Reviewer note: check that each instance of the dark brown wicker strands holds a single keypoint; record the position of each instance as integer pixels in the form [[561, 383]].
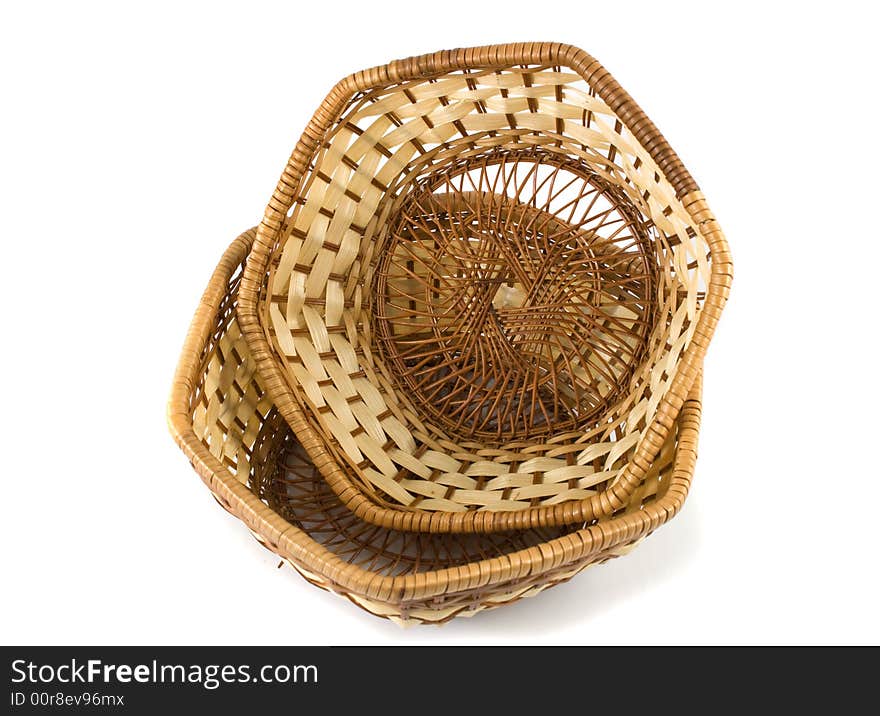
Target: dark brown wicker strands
[[489, 307]]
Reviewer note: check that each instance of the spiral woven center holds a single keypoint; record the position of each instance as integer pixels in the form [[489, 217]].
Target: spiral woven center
[[513, 297]]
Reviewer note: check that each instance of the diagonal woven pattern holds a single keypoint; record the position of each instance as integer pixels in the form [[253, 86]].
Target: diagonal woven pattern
[[483, 289], [223, 420]]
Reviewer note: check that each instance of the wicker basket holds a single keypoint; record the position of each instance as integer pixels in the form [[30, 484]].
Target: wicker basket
[[482, 290], [224, 420]]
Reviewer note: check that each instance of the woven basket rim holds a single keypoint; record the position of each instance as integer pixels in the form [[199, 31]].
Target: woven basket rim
[[295, 545], [399, 517]]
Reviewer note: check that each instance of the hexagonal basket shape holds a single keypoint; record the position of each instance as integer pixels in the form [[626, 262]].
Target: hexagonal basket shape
[[482, 290], [224, 420]]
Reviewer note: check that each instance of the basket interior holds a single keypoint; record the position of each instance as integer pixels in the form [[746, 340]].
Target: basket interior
[[483, 289]]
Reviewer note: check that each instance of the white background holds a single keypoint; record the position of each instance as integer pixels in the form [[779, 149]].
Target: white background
[[137, 143]]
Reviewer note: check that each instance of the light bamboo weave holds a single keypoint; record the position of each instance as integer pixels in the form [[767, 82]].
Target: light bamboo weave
[[222, 417], [482, 290]]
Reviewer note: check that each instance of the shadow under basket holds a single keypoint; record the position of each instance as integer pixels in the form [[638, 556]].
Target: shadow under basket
[[226, 423]]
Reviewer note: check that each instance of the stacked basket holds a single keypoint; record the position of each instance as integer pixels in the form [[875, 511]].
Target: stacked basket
[[459, 359]]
